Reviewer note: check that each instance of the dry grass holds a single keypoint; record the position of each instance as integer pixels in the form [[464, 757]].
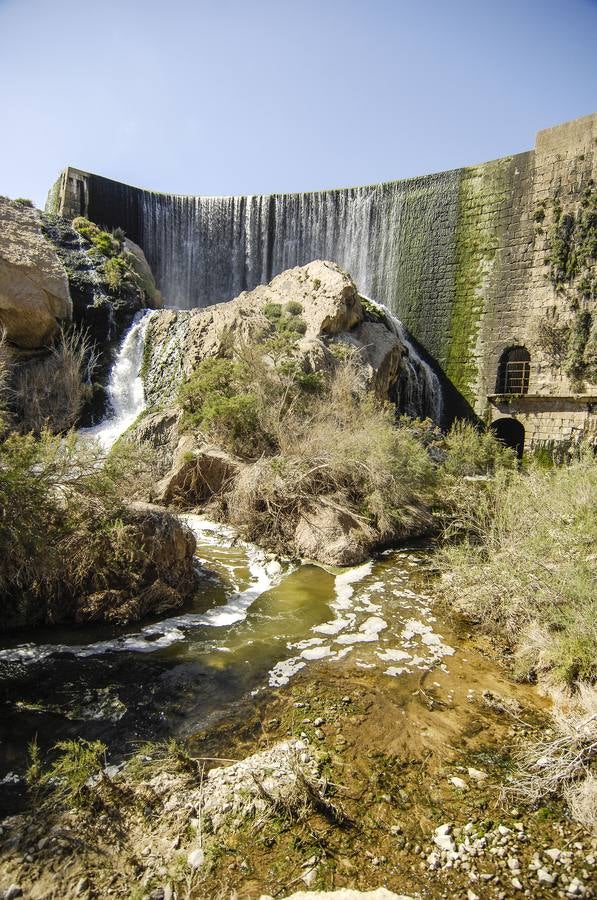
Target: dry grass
[[340, 447], [527, 567], [562, 761], [50, 391]]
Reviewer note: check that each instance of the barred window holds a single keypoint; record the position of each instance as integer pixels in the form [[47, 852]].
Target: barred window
[[514, 371]]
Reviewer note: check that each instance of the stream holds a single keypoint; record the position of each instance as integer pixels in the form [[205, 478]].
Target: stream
[[255, 623]]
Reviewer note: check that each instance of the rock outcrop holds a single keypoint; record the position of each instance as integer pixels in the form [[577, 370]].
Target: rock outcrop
[[316, 317], [160, 574], [331, 311], [165, 575], [34, 291]]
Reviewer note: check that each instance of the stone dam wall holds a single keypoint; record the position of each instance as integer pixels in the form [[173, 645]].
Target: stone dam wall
[[461, 257]]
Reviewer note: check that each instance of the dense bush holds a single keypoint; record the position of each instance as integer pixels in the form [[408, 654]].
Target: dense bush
[[65, 532], [317, 435], [470, 451], [103, 241], [527, 567]]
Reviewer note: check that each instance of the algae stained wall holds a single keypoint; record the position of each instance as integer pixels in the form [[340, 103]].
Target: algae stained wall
[[454, 255]]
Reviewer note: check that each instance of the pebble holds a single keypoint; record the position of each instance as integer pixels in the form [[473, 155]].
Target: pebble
[[516, 883], [471, 895], [82, 885], [318, 721], [477, 774], [459, 783], [545, 877], [576, 888], [346, 699], [196, 858], [513, 864], [12, 892], [554, 853]]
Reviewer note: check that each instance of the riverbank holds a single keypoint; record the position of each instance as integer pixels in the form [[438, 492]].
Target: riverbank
[[392, 755], [410, 773]]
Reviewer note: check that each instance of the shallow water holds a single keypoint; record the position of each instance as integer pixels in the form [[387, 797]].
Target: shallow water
[[254, 624]]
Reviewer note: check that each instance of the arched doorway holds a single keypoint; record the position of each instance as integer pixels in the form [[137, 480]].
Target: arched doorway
[[511, 433], [514, 370]]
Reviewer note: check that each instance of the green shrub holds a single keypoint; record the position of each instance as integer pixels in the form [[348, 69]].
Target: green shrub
[[272, 310], [105, 243], [69, 778], [116, 272], [24, 201], [470, 451], [527, 566], [294, 308], [216, 400]]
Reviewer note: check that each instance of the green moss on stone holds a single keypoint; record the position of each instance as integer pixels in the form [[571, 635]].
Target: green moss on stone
[[482, 192]]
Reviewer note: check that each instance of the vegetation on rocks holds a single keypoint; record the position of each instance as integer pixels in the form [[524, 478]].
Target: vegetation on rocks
[[572, 243], [71, 548]]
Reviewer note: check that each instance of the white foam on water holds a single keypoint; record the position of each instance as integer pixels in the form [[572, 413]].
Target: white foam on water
[[368, 631], [316, 652], [393, 655], [283, 671], [158, 635]]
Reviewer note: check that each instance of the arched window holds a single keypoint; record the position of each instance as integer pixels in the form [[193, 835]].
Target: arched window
[[513, 371]]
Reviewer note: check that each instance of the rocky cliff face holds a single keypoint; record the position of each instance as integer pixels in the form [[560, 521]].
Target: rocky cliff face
[[52, 277], [34, 291]]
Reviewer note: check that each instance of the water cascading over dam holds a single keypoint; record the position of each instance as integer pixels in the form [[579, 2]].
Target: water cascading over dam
[[458, 257], [204, 250]]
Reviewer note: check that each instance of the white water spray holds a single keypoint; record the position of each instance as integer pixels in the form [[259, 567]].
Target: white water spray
[[421, 387], [126, 395]]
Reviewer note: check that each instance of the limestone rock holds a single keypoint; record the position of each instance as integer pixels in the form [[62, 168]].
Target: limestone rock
[[139, 264], [34, 291], [164, 580], [330, 311], [332, 537], [381, 352], [196, 474]]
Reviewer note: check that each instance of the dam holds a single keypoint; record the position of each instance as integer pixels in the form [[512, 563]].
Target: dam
[[462, 258]]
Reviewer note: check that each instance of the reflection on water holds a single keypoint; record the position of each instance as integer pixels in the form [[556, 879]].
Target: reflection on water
[[255, 622]]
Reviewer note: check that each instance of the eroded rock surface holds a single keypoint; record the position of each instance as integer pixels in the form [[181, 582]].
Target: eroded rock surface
[[34, 291], [331, 310]]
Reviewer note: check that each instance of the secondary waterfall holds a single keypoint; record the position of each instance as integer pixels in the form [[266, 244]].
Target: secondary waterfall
[[419, 388], [125, 387]]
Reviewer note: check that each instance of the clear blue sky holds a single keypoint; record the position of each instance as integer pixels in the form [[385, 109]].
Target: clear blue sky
[[257, 96]]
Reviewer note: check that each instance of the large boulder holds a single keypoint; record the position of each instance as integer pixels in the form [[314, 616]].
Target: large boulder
[[332, 536], [197, 474], [167, 578], [138, 263], [34, 291], [327, 304]]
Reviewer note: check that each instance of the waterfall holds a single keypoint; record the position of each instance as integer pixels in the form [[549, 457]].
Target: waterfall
[[397, 240], [419, 387], [126, 396]]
